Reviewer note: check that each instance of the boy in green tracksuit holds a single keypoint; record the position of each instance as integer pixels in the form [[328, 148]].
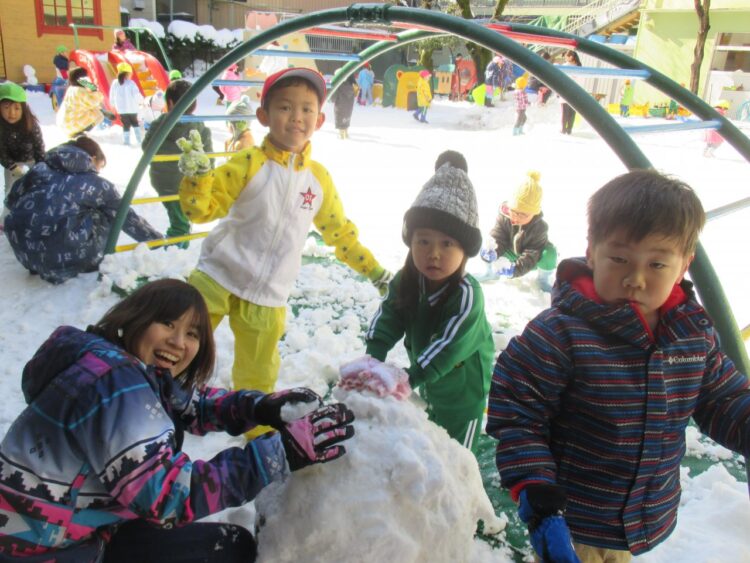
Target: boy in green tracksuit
[[438, 308]]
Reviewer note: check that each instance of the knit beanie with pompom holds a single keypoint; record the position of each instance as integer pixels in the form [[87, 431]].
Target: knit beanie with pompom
[[447, 203], [528, 196]]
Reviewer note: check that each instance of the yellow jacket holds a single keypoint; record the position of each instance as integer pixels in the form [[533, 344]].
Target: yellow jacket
[[79, 109], [424, 95], [267, 200]]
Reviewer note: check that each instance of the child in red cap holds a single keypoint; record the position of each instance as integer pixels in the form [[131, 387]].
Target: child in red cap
[[267, 197]]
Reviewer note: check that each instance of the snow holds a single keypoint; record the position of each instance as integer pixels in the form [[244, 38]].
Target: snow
[[155, 27], [404, 491], [189, 31]]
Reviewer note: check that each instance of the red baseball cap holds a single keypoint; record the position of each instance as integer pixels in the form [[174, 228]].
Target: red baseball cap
[[315, 79]]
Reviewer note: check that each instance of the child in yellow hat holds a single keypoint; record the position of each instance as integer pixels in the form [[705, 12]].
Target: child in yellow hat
[[520, 236], [125, 98]]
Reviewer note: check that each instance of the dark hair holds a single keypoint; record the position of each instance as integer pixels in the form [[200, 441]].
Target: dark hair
[[175, 90], [576, 58], [159, 301], [286, 82], [75, 76], [28, 121], [90, 146], [121, 77], [643, 203], [407, 299]]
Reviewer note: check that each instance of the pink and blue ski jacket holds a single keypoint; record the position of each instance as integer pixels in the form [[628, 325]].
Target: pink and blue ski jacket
[[588, 398], [100, 443]]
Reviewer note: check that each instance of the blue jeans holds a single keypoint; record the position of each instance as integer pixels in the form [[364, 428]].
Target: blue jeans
[[421, 113], [202, 542]]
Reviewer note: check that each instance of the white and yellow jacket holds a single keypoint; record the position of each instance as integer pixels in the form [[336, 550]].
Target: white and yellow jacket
[[268, 199]]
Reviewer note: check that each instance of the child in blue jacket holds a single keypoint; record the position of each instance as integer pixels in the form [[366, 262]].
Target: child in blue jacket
[[590, 403], [60, 213]]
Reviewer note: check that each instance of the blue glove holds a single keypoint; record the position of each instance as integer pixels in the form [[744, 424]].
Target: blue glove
[[542, 507], [504, 267], [488, 255]]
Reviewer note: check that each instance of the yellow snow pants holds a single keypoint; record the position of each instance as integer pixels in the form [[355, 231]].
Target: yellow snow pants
[[257, 331]]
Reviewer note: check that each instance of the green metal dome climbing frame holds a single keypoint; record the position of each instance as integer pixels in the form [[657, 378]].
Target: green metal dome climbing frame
[[505, 39]]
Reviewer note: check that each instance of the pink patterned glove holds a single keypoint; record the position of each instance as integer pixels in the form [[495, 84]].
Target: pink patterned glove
[[314, 438]]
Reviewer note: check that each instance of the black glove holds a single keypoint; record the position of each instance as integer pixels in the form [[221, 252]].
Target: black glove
[[541, 508], [313, 438], [268, 408]]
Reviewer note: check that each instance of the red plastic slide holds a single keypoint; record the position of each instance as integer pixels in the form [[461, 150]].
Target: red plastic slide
[[148, 74]]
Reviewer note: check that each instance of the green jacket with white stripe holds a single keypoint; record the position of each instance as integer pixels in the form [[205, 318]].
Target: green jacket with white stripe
[[449, 344]]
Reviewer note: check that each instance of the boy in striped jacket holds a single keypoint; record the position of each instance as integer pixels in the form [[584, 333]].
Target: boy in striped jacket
[[590, 403]]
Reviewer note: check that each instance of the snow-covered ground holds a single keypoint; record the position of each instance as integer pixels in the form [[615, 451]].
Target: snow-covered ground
[[378, 172]]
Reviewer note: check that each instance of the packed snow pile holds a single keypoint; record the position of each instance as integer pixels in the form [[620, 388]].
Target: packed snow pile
[[405, 491]]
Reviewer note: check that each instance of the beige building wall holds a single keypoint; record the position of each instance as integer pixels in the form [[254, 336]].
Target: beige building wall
[[22, 45]]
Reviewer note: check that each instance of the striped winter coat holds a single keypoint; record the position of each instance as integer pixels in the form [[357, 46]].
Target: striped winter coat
[[587, 398]]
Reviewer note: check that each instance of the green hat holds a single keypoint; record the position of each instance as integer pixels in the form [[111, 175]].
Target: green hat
[[13, 92], [61, 49], [175, 74]]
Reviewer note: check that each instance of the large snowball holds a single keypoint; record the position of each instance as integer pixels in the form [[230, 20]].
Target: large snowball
[[405, 491]]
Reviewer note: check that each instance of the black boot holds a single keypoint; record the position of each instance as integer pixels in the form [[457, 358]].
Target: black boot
[[488, 103]]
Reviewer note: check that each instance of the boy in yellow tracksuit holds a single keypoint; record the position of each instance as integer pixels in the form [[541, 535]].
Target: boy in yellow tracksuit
[[267, 197]]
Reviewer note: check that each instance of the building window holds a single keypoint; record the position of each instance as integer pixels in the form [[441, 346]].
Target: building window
[[55, 16], [732, 52]]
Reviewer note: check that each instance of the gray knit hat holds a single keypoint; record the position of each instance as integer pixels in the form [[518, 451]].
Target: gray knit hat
[[447, 203]]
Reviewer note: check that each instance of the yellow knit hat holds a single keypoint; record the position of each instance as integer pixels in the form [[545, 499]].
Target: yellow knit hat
[[528, 196]]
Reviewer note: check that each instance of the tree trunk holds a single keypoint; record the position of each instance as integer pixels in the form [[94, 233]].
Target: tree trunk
[[499, 9], [702, 10]]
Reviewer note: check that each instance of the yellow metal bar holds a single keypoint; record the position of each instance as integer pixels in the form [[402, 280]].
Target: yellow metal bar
[[173, 157], [161, 242], [746, 333], [142, 200]]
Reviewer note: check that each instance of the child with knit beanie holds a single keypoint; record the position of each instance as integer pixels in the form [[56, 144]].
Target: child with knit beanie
[[520, 236], [438, 308]]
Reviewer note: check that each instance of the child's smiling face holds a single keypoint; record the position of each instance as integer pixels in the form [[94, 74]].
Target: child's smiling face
[[293, 115], [642, 272]]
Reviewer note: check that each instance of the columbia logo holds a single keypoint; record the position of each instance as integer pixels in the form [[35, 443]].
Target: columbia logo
[[671, 360]]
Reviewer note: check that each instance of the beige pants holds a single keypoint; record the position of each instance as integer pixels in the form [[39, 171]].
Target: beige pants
[[591, 554]]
